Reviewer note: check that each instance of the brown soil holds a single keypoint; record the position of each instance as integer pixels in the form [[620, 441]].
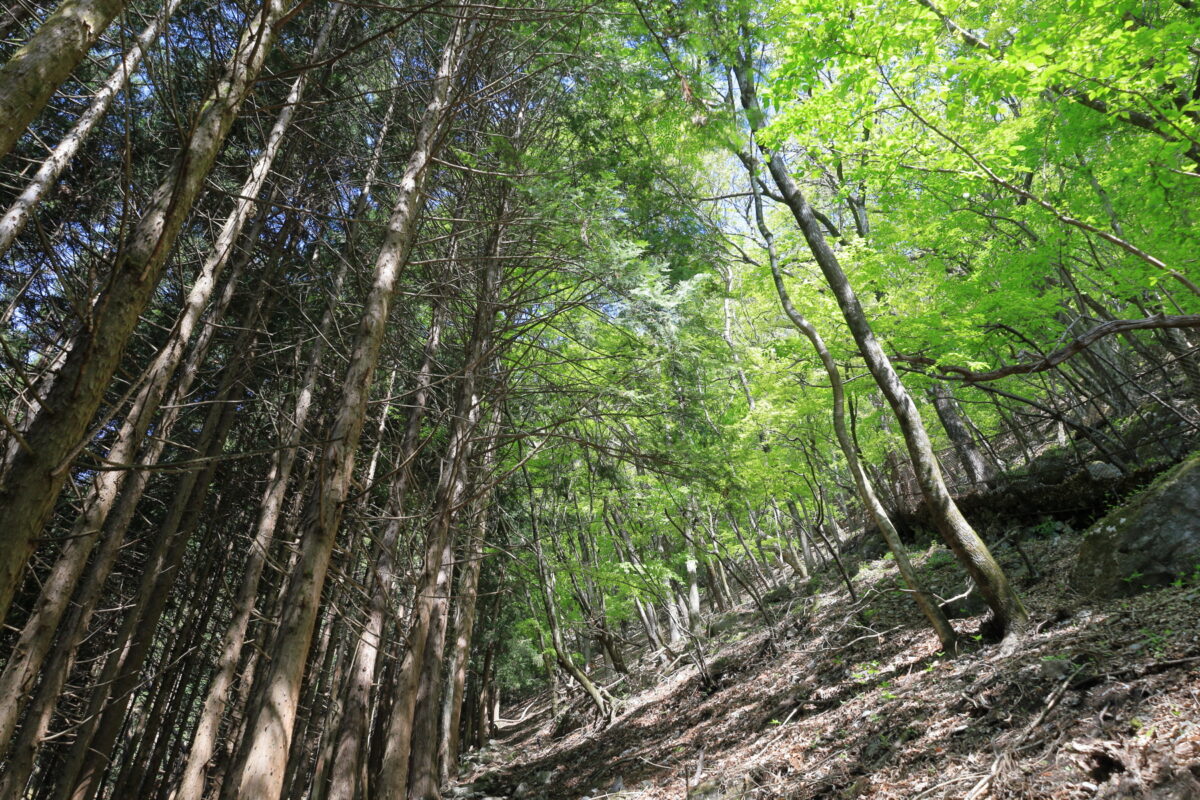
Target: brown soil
[[1100, 701]]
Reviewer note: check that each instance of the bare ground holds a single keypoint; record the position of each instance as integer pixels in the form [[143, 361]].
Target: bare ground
[[855, 701]]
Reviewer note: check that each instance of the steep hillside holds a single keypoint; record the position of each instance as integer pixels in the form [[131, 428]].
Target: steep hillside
[[838, 699]]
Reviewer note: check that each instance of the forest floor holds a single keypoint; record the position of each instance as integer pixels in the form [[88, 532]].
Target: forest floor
[[846, 700]]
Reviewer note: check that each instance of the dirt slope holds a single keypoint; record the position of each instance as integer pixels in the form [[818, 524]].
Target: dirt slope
[[1103, 701]]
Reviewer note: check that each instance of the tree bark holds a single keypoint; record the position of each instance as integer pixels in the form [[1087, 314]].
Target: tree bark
[[14, 219], [978, 470], [107, 484], [263, 774], [114, 691], [424, 770], [33, 73], [432, 593], [347, 765], [464, 615], [33, 479], [191, 784], [970, 550], [71, 627]]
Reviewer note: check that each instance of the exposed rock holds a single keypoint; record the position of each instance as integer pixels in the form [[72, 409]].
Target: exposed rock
[[1102, 471], [570, 719], [1149, 541]]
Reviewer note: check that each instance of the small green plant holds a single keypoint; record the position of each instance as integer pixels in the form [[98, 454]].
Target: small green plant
[[939, 558], [1157, 641], [865, 671], [1184, 581], [1043, 528]]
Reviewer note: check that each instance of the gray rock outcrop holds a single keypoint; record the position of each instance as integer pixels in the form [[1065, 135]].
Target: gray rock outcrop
[[1150, 541]]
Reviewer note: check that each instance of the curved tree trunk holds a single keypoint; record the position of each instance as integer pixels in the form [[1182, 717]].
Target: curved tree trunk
[[962, 539], [933, 613], [596, 694], [979, 471]]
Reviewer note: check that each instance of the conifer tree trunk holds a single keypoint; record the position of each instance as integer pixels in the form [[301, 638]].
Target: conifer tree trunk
[[424, 771], [204, 740], [21, 670], [427, 633], [347, 764], [144, 743], [14, 219], [484, 729], [31, 482], [962, 539], [464, 618], [48, 616], [33, 73], [318, 707], [271, 732], [107, 484], [428, 615], [114, 691]]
